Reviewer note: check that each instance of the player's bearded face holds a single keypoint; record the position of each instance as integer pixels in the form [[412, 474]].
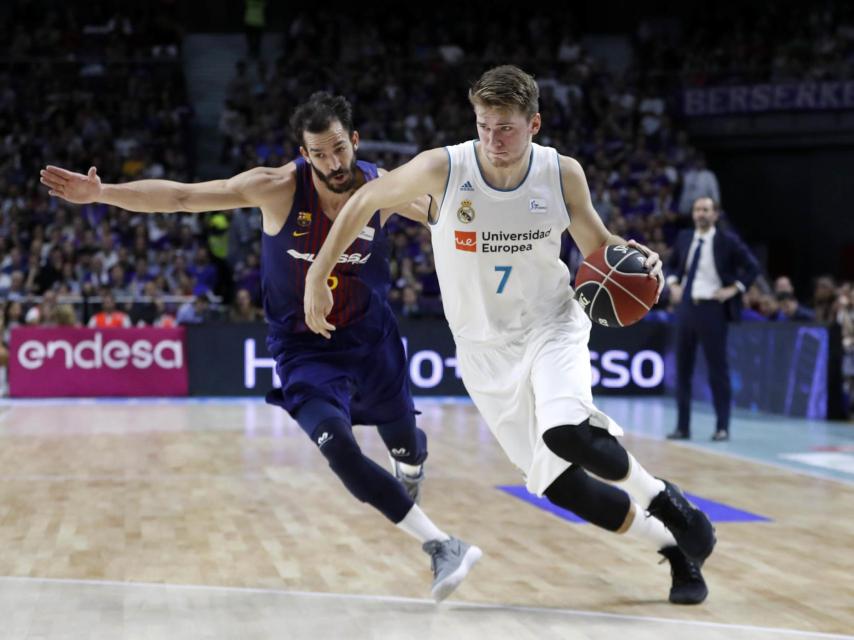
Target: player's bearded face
[[504, 134], [332, 156], [340, 180]]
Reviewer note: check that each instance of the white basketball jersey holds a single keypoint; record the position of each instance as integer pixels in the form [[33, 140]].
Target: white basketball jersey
[[497, 252]]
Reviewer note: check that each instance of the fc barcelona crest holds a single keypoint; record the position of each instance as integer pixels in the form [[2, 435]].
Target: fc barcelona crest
[[465, 213], [304, 218]]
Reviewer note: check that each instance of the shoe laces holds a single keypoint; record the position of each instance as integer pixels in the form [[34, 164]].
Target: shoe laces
[[681, 565], [674, 504], [436, 549]]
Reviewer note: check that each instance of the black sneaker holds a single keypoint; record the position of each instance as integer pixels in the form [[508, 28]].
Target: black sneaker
[[691, 528], [688, 586]]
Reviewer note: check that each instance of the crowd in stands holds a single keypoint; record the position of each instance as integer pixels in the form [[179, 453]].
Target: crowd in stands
[[775, 42], [105, 87]]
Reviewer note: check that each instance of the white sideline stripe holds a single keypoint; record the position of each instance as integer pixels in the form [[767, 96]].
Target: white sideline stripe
[[427, 603]]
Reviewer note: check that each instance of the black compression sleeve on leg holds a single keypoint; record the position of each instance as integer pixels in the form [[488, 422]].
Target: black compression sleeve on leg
[[363, 477], [597, 502]]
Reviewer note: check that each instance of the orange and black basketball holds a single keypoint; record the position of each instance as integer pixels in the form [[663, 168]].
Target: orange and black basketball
[[613, 286]]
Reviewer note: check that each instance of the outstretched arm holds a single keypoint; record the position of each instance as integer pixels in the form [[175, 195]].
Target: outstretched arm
[[253, 188], [418, 210], [426, 173]]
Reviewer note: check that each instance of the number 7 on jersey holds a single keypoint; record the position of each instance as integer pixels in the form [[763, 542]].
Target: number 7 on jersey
[[505, 275]]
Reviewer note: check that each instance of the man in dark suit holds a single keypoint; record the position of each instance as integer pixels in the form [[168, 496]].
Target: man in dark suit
[[708, 270]]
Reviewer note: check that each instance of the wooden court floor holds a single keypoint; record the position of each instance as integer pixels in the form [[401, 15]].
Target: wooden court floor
[[220, 519]]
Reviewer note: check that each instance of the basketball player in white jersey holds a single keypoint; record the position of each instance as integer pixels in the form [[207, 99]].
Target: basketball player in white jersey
[[499, 206]]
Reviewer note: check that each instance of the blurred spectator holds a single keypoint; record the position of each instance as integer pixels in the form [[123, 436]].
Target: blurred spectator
[[791, 309], [244, 310], [768, 306], [824, 299], [43, 313], [163, 317], [698, 182], [109, 317], [783, 284], [196, 312], [409, 306], [65, 316]]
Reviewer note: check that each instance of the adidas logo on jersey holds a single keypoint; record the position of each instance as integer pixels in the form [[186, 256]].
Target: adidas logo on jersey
[[324, 438], [467, 186]]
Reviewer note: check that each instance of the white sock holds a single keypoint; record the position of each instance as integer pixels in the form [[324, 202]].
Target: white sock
[[410, 469], [648, 528], [419, 526], [639, 484]]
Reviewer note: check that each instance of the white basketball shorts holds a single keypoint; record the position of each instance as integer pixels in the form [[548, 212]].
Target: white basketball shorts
[[525, 387]]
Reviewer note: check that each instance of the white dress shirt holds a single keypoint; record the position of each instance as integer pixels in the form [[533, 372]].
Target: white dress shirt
[[707, 280]]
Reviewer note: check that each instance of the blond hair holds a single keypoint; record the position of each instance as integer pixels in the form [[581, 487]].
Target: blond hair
[[506, 87]]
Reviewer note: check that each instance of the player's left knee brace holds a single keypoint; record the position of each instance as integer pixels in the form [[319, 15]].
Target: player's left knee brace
[[589, 447]]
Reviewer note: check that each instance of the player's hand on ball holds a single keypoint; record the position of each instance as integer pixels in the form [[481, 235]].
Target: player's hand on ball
[[653, 264]]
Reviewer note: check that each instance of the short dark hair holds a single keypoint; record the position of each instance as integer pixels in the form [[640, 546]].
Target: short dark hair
[[318, 113], [715, 206]]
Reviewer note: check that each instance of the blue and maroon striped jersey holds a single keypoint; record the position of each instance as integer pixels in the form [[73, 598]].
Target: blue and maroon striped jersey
[[361, 273]]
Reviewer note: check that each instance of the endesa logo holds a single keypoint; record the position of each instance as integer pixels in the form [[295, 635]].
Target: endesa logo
[[96, 354], [466, 240]]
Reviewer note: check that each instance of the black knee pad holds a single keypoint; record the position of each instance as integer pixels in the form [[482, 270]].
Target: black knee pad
[[364, 478], [597, 502], [589, 447]]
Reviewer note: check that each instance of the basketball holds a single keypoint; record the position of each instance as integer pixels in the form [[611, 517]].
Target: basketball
[[613, 286]]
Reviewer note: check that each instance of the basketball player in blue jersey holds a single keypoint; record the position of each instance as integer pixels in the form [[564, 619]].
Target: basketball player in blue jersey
[[359, 376], [502, 204]]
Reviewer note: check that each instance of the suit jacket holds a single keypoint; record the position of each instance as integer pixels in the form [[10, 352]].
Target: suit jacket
[[733, 260]]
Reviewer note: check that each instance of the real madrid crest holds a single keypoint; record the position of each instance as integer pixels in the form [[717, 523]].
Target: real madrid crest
[[304, 218], [465, 213]]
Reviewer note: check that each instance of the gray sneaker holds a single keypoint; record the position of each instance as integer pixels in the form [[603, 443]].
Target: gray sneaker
[[412, 483], [451, 560]]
